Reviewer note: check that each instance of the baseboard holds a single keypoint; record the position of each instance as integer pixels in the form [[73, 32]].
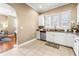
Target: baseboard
[[26, 42]]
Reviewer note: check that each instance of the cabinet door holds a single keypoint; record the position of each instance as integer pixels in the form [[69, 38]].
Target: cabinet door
[[50, 36], [69, 41], [76, 47], [38, 35], [59, 38], [64, 39], [41, 21]]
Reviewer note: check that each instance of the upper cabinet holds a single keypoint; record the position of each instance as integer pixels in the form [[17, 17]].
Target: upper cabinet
[[41, 21], [78, 14]]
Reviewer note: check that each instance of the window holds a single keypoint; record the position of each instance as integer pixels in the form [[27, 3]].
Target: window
[[59, 21], [47, 21]]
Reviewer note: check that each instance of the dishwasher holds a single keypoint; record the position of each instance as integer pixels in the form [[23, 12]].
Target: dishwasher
[[43, 35]]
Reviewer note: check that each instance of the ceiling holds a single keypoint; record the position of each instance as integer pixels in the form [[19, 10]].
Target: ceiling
[[43, 7]]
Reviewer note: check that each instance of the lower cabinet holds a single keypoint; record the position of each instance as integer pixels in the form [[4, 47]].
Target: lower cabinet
[[59, 38], [50, 36], [76, 46], [69, 39], [66, 39], [38, 34]]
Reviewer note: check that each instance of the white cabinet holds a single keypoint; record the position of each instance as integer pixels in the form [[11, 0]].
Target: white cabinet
[[69, 39], [60, 38], [41, 21], [50, 36], [38, 35], [76, 46]]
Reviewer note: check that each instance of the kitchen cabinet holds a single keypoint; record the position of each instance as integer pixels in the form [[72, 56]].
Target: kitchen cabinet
[[76, 46], [60, 38], [38, 35], [69, 39], [50, 36], [41, 21]]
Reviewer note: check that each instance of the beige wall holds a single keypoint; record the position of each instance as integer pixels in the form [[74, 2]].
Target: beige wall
[[27, 18], [71, 6]]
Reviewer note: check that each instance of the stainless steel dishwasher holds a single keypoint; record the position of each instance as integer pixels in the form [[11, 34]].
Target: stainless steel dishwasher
[[43, 35]]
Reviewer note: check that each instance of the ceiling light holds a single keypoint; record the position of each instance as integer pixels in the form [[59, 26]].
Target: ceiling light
[[40, 6]]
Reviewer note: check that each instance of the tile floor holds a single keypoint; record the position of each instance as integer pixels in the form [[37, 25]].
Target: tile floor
[[38, 48]]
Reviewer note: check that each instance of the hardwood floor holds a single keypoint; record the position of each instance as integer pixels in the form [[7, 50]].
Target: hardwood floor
[[39, 48], [7, 45]]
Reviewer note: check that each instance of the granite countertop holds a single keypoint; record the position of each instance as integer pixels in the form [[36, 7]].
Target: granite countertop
[[54, 30], [58, 30]]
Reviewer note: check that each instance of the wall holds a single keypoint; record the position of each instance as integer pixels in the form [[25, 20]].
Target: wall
[[71, 7], [27, 22]]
